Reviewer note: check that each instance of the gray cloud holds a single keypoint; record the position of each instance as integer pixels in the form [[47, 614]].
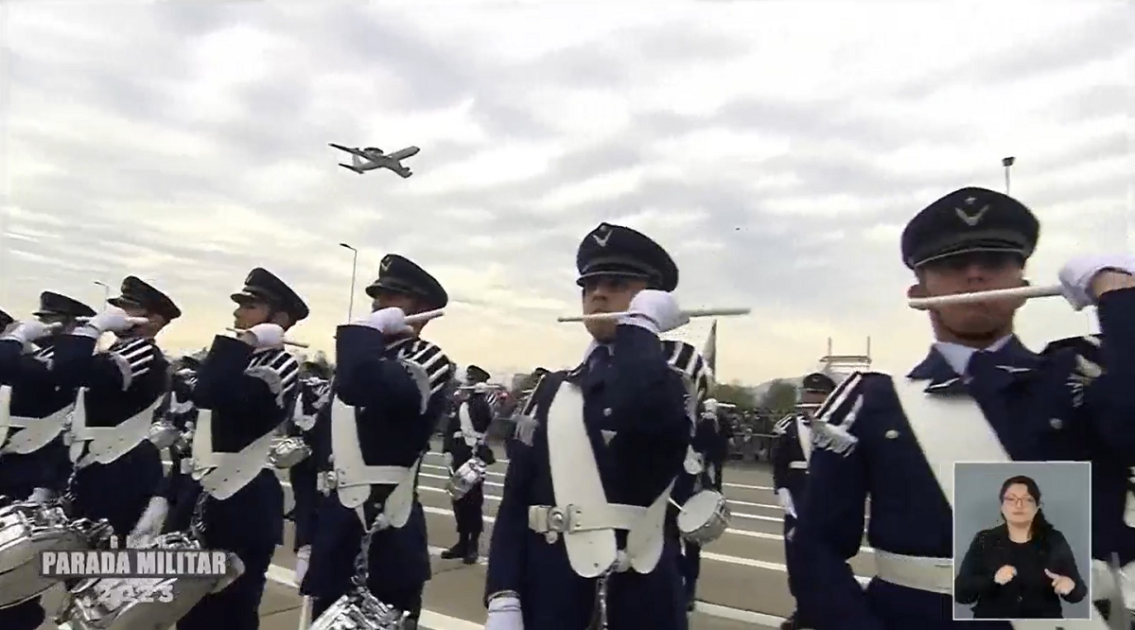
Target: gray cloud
[[102, 201]]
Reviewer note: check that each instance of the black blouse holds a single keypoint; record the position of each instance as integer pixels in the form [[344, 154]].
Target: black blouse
[[1029, 595]]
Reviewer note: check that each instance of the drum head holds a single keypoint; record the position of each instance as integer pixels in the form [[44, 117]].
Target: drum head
[[699, 510]]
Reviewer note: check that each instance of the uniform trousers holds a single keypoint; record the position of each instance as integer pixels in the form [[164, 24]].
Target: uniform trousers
[[468, 511], [250, 524]]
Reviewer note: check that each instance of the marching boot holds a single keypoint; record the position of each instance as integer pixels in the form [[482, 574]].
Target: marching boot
[[457, 550], [472, 550]]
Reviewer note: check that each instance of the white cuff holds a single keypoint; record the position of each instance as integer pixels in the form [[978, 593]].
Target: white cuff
[[504, 604], [87, 331], [642, 321]]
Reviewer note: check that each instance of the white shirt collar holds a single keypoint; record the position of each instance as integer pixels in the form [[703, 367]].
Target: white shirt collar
[[958, 356]]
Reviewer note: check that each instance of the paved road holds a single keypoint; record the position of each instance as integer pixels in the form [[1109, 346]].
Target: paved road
[[742, 582]]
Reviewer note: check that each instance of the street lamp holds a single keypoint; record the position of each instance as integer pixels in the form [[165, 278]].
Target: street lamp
[[105, 293], [1007, 162], [354, 269]]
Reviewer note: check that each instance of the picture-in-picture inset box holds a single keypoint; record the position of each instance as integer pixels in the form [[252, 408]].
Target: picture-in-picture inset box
[[1022, 540]]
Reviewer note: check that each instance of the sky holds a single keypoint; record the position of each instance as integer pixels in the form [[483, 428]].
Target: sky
[[776, 150]]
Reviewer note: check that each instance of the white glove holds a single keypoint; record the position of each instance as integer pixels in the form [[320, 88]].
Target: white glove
[[26, 332], [150, 525], [264, 336], [656, 310], [388, 321], [113, 319], [785, 499], [504, 614], [1077, 275], [40, 496], [303, 555]]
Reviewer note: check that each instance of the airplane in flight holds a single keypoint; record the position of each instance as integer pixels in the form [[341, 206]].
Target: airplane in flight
[[370, 158]]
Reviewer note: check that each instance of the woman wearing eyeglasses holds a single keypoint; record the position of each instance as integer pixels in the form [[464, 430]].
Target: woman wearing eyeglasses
[[1022, 568]]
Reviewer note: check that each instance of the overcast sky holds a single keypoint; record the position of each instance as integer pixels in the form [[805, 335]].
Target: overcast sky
[[776, 150]]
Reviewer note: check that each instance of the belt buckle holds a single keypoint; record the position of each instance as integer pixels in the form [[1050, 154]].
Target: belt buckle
[[560, 520]]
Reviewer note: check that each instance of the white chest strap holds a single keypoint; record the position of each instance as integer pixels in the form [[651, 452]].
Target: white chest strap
[[804, 436], [952, 428], [948, 429], [107, 444], [353, 478], [223, 474], [35, 433], [468, 433], [589, 537], [5, 412]]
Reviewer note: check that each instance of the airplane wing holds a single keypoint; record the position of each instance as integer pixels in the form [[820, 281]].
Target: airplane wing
[[404, 172], [349, 150], [404, 153]]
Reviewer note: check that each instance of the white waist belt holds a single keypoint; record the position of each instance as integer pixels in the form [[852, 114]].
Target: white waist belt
[[373, 476], [543, 519], [934, 575], [798, 465]]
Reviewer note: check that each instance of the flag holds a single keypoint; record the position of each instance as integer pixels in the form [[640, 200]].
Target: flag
[[709, 354]]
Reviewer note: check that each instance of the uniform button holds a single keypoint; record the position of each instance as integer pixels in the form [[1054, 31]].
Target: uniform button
[[607, 412]]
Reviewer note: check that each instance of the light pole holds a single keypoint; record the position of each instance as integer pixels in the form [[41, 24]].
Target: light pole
[[1007, 162], [105, 293], [354, 269]]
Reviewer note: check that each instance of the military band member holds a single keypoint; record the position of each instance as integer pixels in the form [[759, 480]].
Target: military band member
[[310, 422], [182, 413], [464, 440], [390, 391], [790, 451], [33, 459], [611, 435], [719, 438], [1113, 496], [118, 471], [699, 474], [980, 395], [246, 389]]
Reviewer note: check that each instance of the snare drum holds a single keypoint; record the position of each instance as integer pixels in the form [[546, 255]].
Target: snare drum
[[704, 518], [288, 452], [361, 610], [26, 529], [110, 604], [465, 478]]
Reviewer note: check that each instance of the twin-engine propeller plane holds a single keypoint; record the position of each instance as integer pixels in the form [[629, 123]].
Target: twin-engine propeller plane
[[370, 158]]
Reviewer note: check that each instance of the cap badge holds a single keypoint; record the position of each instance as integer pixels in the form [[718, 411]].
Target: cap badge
[[385, 264], [971, 219], [248, 280], [602, 235]]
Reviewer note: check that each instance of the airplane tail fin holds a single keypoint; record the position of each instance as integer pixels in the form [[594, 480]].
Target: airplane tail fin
[[352, 168]]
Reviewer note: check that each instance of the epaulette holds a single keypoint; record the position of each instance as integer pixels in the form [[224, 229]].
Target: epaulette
[[781, 426], [688, 361], [831, 426], [430, 360], [278, 369]]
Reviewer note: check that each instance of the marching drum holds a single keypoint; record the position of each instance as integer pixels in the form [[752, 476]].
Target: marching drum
[[704, 518], [110, 603], [163, 434], [287, 452], [465, 478], [26, 529], [361, 610]]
